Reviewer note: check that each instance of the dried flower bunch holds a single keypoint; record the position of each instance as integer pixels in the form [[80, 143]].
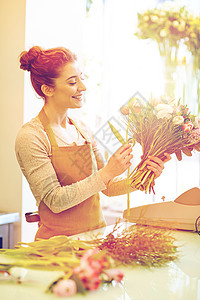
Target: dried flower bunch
[[159, 126], [140, 245]]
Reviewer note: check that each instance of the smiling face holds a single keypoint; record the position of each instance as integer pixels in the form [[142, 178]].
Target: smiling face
[[69, 87]]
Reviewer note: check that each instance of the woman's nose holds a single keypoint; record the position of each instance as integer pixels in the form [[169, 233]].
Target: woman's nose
[[81, 86]]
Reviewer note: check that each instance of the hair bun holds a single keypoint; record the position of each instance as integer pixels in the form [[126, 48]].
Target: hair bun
[[27, 57]]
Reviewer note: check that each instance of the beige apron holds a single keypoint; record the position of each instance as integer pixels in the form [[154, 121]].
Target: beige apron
[[71, 164]]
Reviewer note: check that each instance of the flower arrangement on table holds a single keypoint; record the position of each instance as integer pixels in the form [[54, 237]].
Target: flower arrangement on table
[[86, 264], [160, 126]]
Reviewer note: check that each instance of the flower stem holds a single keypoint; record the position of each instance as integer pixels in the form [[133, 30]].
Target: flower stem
[[128, 174]]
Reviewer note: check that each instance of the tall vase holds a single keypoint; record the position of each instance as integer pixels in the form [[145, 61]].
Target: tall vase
[[196, 79], [169, 57], [169, 77]]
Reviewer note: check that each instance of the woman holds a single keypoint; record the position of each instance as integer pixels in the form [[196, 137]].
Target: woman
[[59, 156]]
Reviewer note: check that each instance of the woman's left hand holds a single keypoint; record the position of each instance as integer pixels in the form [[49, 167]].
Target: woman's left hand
[[156, 165]]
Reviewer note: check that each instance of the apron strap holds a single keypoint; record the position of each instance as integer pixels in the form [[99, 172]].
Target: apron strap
[[45, 122], [81, 131]]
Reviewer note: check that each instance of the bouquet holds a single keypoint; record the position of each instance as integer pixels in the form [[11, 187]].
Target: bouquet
[[159, 126]]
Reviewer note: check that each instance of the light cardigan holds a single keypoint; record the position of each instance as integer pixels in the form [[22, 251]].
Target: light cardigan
[[33, 148]]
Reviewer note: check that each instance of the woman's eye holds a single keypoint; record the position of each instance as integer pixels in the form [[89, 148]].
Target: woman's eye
[[84, 77], [72, 83]]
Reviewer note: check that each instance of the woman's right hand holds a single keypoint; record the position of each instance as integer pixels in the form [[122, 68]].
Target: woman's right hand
[[118, 163]]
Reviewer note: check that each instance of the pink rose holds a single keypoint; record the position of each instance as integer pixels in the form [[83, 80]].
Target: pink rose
[[114, 274], [88, 276], [91, 283], [84, 270], [65, 288], [91, 266], [96, 265], [187, 126], [92, 262]]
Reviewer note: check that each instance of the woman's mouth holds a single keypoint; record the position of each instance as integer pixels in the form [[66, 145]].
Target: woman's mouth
[[78, 97]]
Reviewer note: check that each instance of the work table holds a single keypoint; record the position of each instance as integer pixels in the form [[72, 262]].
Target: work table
[[178, 280]]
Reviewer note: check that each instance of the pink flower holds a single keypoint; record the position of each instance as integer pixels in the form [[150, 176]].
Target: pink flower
[[65, 288], [195, 136], [84, 270], [135, 106], [91, 283], [124, 110], [93, 262], [88, 276], [90, 252], [96, 265], [187, 126], [114, 274], [91, 266]]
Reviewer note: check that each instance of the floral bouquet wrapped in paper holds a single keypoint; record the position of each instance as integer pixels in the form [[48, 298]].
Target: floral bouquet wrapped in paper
[[159, 126]]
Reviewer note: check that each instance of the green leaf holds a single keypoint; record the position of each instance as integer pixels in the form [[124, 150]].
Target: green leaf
[[80, 287], [116, 133]]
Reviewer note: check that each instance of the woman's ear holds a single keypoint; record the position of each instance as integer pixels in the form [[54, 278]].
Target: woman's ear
[[47, 90]]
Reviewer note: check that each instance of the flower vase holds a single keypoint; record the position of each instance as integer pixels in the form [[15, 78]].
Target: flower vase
[[169, 67], [196, 80]]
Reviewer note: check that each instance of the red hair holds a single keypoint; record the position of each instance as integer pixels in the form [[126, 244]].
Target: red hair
[[45, 65]]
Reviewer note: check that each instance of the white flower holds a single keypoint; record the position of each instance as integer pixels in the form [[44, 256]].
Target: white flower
[[146, 18], [114, 274], [18, 273], [162, 13], [182, 26], [197, 122], [154, 18], [162, 100], [178, 120], [175, 23], [163, 111], [163, 33]]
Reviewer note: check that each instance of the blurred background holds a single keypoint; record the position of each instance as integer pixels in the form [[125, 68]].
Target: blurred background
[[143, 48]]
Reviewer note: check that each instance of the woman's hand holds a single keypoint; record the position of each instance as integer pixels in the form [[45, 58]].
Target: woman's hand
[[156, 165], [118, 163]]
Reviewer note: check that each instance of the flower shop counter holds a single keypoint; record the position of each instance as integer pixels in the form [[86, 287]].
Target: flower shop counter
[[179, 279]]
